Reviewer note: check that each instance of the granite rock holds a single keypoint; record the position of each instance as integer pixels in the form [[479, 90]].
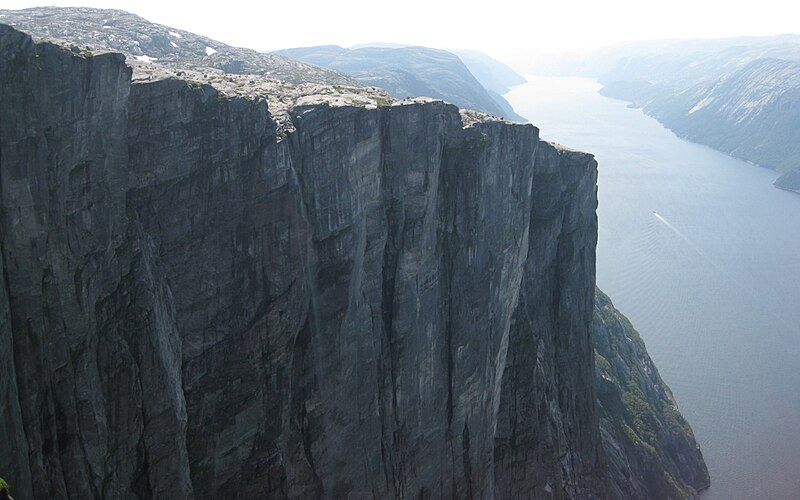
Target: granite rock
[[364, 298], [144, 43]]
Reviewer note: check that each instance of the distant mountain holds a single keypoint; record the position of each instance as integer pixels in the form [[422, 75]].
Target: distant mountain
[[409, 71], [673, 60], [143, 41], [493, 74], [385, 45], [740, 95]]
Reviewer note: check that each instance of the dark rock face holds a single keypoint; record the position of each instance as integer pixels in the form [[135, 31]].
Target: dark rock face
[[546, 442], [650, 448], [190, 300], [378, 301], [89, 330]]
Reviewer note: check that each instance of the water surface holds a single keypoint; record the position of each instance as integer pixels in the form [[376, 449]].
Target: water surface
[[703, 255]]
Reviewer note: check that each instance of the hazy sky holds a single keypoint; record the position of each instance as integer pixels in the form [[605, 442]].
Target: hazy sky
[[500, 27]]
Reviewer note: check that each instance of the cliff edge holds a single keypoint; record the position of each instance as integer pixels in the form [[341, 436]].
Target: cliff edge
[[212, 288]]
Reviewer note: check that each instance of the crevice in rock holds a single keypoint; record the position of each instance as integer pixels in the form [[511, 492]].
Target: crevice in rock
[[467, 462], [300, 392], [394, 216]]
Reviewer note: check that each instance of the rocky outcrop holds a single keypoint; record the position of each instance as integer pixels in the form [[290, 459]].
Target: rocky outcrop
[[401, 71], [363, 298], [143, 42], [409, 71], [650, 448]]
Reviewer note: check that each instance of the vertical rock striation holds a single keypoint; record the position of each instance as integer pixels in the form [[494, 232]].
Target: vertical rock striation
[[547, 438], [95, 353], [387, 301]]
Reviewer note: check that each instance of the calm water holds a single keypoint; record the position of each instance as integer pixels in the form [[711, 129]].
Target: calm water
[[703, 255]]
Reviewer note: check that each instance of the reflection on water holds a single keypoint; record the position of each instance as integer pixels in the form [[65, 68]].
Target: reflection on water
[[703, 255]]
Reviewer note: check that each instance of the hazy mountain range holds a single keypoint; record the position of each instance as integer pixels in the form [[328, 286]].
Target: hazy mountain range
[[738, 95], [421, 71]]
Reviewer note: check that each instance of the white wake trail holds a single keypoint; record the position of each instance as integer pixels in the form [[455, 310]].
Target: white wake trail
[[722, 272], [746, 288], [686, 240]]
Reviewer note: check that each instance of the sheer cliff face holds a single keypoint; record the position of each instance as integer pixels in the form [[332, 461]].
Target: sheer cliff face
[[375, 302]]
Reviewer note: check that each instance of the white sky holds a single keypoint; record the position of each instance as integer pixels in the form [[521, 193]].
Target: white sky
[[503, 28]]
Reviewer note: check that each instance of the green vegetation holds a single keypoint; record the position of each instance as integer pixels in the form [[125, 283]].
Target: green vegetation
[[478, 142], [4, 485], [605, 366], [639, 410], [640, 414]]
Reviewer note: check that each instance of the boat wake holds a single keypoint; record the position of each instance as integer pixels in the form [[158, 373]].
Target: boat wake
[[685, 239]]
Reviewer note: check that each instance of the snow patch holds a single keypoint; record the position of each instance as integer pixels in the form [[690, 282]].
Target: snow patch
[[145, 59], [210, 51], [176, 35], [173, 44], [756, 103], [702, 104]]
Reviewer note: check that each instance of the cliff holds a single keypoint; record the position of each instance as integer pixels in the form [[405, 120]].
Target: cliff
[[191, 298], [225, 285]]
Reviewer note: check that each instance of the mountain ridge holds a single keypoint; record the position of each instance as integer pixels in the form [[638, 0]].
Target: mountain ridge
[[409, 71], [141, 40]]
